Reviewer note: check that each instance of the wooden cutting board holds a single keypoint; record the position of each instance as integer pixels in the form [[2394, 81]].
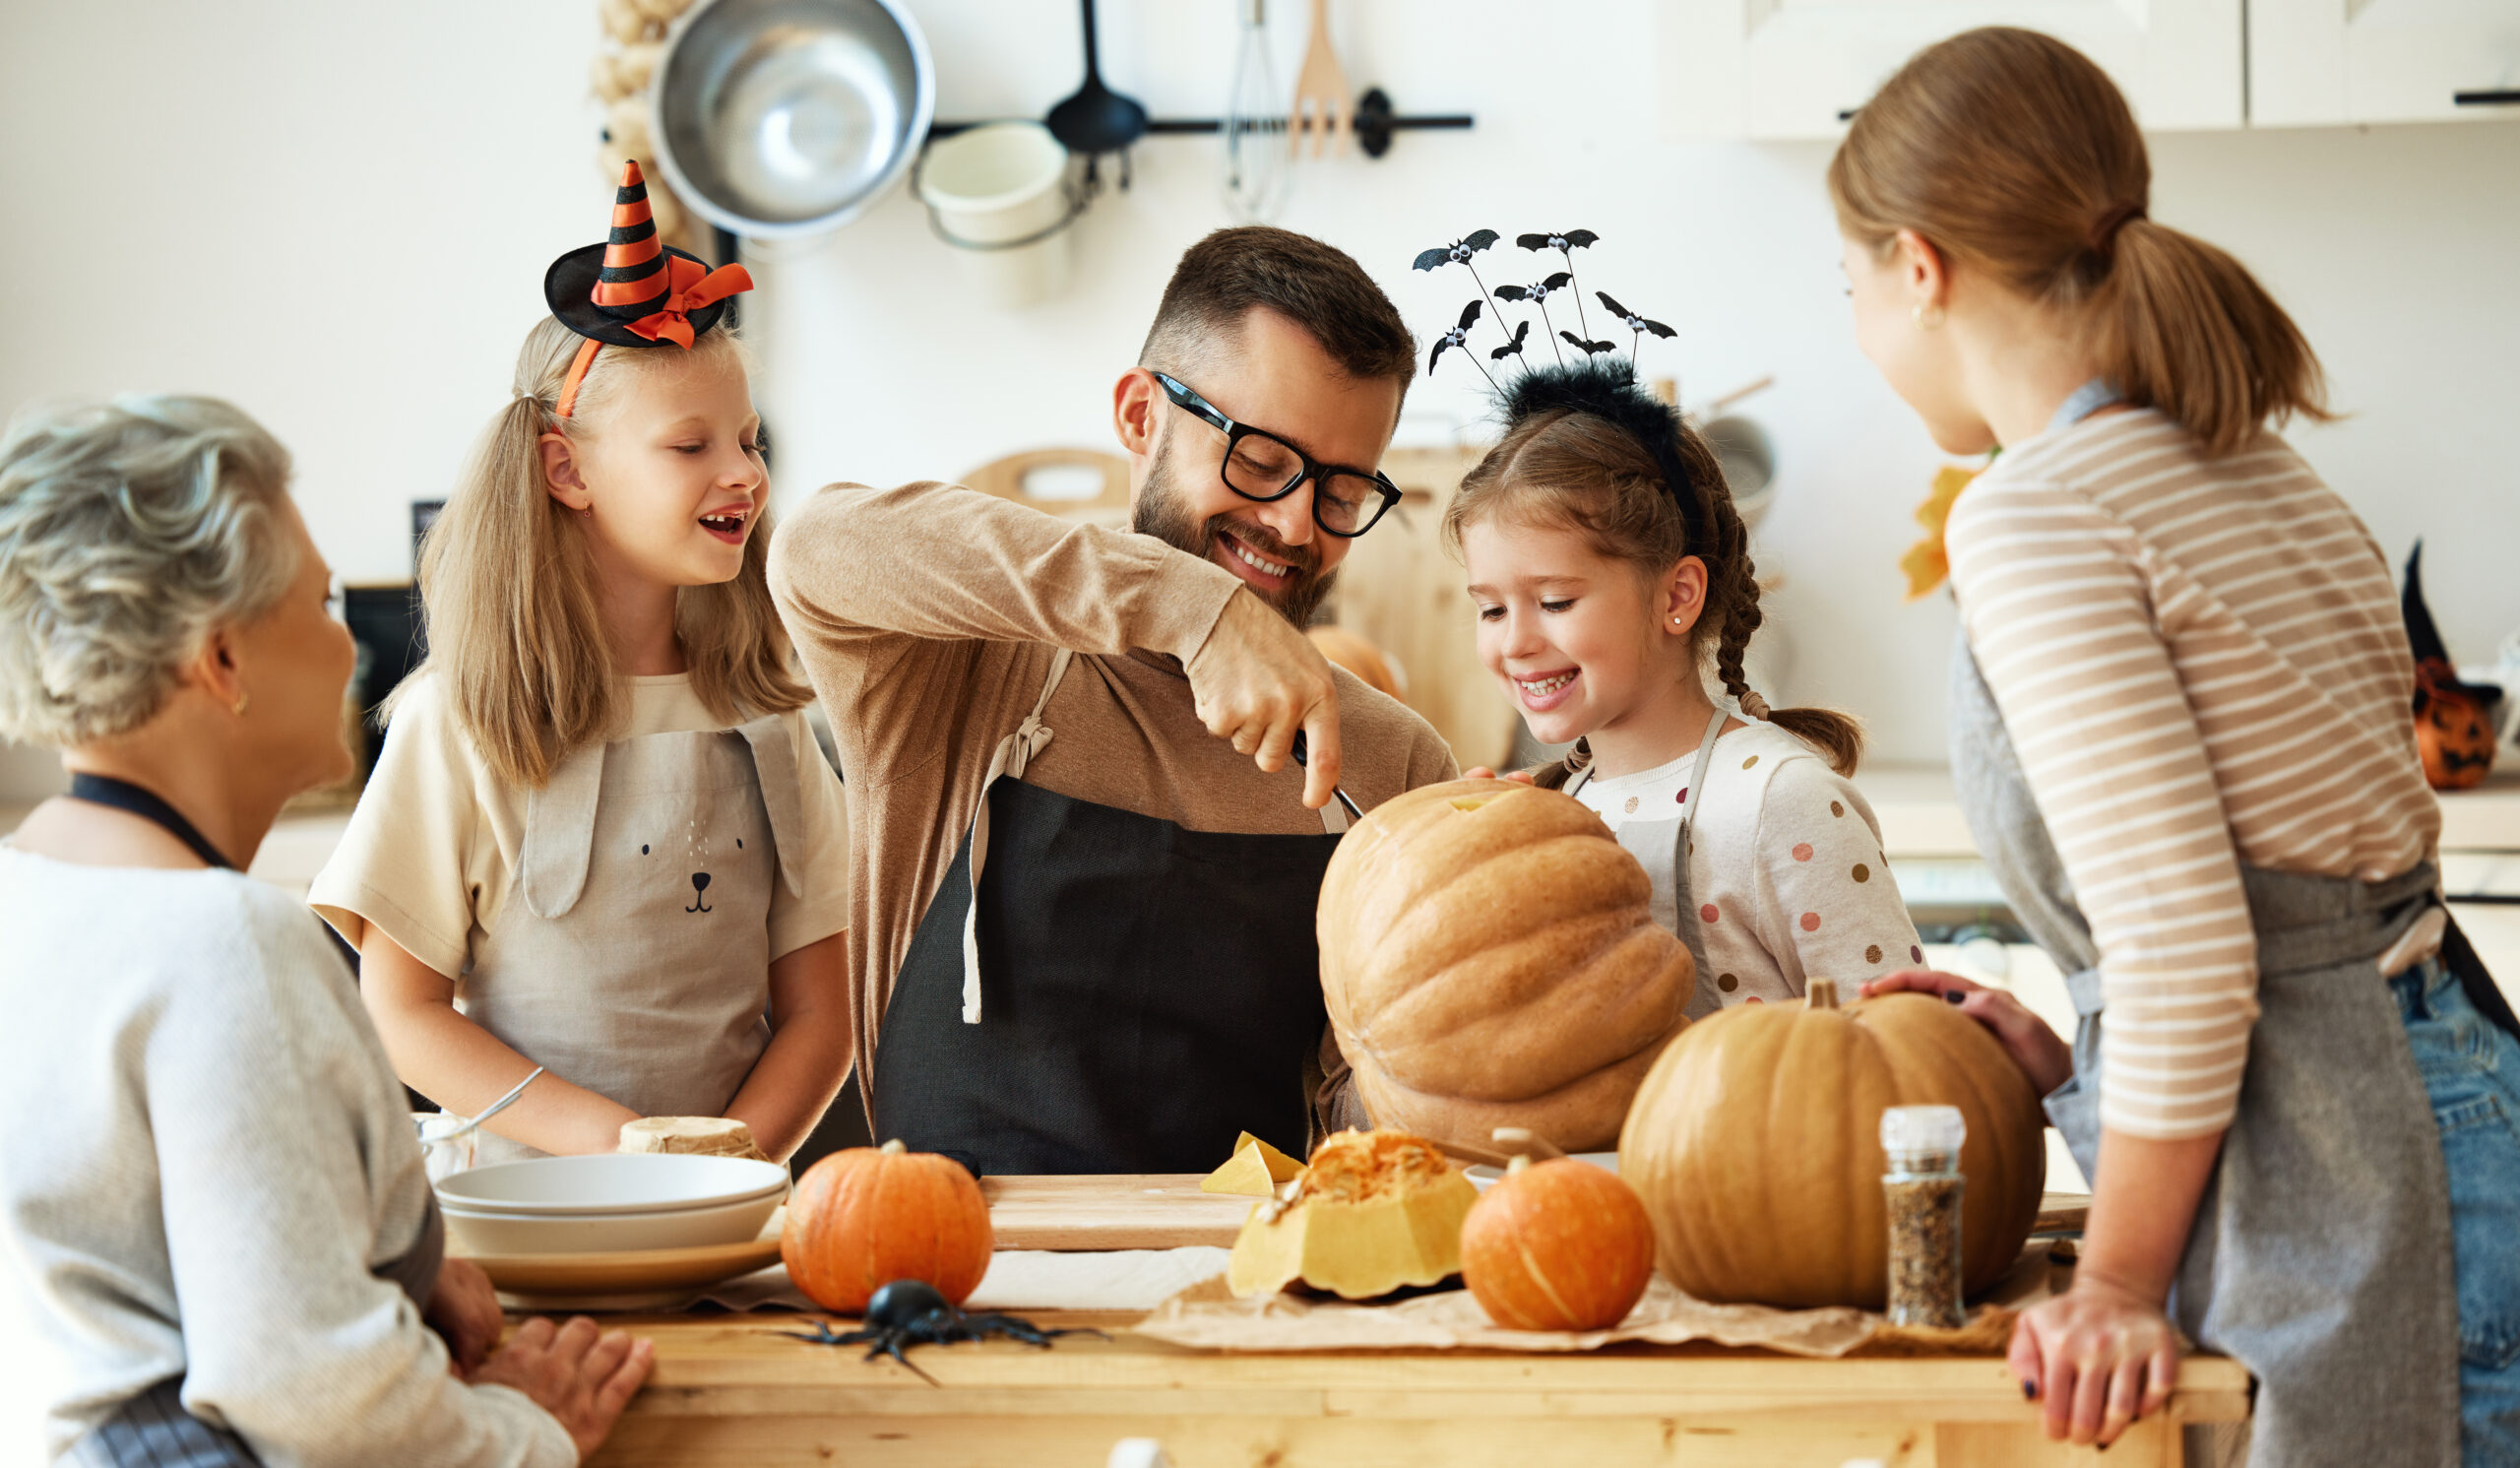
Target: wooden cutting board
[[1121, 1210]]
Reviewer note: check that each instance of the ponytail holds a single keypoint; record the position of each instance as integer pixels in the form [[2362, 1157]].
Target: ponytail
[[2014, 154], [2184, 328]]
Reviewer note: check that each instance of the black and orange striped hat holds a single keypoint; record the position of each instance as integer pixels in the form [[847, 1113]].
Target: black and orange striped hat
[[633, 289]]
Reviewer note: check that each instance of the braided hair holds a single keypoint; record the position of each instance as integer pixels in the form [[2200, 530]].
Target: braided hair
[[1589, 448]]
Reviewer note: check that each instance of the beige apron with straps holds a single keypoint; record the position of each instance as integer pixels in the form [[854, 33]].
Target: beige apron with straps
[[633, 955]]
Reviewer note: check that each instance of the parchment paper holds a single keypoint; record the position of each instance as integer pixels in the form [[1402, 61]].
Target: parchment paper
[[1207, 1316]]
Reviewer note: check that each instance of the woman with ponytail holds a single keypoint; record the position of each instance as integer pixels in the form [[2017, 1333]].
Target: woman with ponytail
[[1610, 569], [2182, 726]]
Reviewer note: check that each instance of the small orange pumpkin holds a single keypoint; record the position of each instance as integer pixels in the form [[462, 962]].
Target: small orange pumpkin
[[1558, 1245], [866, 1216]]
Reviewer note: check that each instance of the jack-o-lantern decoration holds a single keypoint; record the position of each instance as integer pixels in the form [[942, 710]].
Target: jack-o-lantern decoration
[[2451, 732], [1489, 959], [2450, 728]]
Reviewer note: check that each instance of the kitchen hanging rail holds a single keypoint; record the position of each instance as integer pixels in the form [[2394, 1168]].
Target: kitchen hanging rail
[[1375, 122]]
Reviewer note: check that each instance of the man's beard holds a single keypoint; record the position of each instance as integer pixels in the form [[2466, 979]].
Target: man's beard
[[1162, 513]]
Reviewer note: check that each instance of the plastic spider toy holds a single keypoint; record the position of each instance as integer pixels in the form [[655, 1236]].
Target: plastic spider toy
[[910, 1312]]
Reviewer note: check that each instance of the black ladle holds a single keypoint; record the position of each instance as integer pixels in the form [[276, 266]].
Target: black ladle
[[1097, 119]]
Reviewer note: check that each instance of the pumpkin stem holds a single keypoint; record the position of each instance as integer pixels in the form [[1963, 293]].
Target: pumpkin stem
[[1822, 995], [893, 1148]]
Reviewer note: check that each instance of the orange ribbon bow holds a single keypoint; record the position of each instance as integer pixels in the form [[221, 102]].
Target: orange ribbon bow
[[693, 286]]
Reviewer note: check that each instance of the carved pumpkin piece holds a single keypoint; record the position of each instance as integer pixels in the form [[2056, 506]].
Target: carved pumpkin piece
[[1755, 1146], [1488, 959], [1558, 1245], [2451, 733], [1374, 1211], [864, 1216]]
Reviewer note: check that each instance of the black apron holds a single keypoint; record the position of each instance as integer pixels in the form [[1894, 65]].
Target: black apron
[[1151, 990]]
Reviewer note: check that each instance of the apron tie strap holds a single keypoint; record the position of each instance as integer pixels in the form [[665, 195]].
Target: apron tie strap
[[1013, 755]]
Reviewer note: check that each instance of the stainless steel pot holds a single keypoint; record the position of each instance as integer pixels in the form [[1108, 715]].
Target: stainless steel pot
[[790, 117]]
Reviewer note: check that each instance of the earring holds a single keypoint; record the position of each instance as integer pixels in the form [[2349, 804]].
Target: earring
[[1675, 621], [1926, 317], [242, 699]]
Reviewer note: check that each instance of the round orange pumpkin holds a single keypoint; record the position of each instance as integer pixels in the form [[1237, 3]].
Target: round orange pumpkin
[[1755, 1145], [866, 1216], [1488, 959], [1558, 1245]]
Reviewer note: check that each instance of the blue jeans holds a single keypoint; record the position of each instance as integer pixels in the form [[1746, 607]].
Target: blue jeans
[[2472, 1071]]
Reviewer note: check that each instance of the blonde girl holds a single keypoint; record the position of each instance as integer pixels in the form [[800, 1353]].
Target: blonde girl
[[1610, 569], [2181, 724], [600, 842]]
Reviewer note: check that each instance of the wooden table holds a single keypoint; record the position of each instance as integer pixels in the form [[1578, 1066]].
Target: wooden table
[[729, 1389]]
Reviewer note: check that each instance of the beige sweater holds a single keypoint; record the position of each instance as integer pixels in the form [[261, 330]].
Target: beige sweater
[[927, 617], [2202, 664]]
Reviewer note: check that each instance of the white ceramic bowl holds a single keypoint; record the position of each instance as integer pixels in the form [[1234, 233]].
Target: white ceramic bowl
[[611, 1184], [494, 1232]]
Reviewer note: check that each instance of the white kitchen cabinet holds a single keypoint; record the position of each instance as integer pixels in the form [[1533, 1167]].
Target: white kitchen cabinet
[[2329, 61], [1783, 69]]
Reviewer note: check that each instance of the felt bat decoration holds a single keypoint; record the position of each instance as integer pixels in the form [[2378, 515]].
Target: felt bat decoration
[[1513, 348], [1456, 336], [1565, 244], [1573, 340], [1458, 252], [1572, 239], [1533, 293], [2452, 732], [1633, 322], [1538, 294]]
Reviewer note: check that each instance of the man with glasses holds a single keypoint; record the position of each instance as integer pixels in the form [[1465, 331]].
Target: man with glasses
[[1103, 728]]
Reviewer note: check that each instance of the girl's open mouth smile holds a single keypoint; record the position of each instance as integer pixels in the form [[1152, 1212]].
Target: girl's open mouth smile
[[726, 525], [1545, 691]]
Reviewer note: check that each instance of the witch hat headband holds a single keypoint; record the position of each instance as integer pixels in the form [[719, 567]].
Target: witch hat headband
[[633, 289]]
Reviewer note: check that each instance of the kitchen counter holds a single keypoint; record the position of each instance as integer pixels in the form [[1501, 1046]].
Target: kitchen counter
[[731, 1390]]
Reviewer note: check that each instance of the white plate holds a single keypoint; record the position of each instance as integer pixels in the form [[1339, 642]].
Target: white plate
[[489, 1232], [612, 1183], [1480, 1177]]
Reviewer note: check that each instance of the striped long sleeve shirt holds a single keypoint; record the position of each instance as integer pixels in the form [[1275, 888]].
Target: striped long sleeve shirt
[[2202, 664]]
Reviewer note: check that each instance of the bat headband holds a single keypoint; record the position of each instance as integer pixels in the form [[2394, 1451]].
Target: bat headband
[[1596, 382], [633, 289]]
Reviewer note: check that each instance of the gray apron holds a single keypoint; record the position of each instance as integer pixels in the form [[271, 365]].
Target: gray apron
[[154, 1430], [1662, 848], [2322, 1254], [633, 955]]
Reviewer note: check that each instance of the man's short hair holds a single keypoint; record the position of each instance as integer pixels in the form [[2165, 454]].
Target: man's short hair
[[1315, 286]]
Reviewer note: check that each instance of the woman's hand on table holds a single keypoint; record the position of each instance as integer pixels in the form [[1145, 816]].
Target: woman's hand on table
[[2098, 1356], [464, 1309], [2047, 1060], [582, 1377]]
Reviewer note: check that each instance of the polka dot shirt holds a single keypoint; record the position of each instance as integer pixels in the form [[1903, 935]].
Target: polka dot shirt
[[1787, 877]]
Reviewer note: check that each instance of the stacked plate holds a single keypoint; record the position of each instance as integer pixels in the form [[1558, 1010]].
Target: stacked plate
[[609, 1203]]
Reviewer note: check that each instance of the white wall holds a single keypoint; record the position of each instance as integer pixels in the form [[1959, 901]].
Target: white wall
[[339, 215]]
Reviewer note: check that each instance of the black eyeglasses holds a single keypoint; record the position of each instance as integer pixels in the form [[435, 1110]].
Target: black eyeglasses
[[1260, 465]]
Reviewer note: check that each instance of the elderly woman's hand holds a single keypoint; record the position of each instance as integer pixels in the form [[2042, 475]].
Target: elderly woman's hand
[[2044, 1058], [580, 1375], [464, 1309]]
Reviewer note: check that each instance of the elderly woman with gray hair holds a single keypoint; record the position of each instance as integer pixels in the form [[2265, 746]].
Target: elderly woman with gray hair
[[216, 1215]]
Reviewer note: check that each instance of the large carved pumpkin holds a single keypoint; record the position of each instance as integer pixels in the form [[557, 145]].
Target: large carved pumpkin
[[1487, 960], [1755, 1145], [864, 1216]]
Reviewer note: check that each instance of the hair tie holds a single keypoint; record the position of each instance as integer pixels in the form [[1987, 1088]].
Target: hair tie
[[1753, 705], [2104, 234]]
